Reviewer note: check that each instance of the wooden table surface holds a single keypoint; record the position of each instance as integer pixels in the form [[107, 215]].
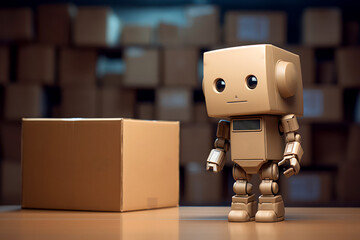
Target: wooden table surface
[[176, 223]]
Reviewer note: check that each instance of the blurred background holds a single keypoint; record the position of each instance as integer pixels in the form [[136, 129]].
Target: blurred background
[[143, 59]]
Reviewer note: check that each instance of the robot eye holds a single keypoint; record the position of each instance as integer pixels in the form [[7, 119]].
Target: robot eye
[[251, 81], [220, 84]]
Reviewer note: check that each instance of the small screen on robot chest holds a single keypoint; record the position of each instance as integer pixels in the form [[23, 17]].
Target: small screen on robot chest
[[246, 125]]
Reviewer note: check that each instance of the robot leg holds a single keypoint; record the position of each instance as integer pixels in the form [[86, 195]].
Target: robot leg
[[243, 205], [271, 205]]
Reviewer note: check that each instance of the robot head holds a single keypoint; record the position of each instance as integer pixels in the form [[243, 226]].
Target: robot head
[[249, 80]]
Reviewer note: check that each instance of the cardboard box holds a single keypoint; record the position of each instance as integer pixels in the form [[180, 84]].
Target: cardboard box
[[323, 104], [11, 141], [4, 64], [200, 115], [116, 102], [196, 142], [137, 35], [322, 27], [330, 145], [348, 190], [77, 67], [307, 189], [307, 61], [16, 24], [54, 23], [326, 72], [174, 104], [180, 67], [245, 27], [170, 35], [142, 67], [10, 182], [23, 101], [100, 164], [348, 71], [305, 132], [96, 26], [36, 64], [203, 28], [79, 101], [202, 187], [114, 80], [145, 110]]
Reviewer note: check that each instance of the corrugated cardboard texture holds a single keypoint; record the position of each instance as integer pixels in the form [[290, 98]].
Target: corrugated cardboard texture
[[100, 164]]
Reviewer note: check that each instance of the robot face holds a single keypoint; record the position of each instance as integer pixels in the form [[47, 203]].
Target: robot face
[[249, 80]]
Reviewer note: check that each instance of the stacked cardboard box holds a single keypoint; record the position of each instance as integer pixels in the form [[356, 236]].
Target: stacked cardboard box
[[24, 101], [323, 104], [142, 67], [170, 35], [16, 24], [10, 182], [137, 35], [322, 27], [4, 64], [180, 67], [203, 26], [77, 67], [96, 26], [79, 101], [11, 141], [145, 110], [195, 142], [36, 64], [116, 102], [174, 104], [54, 23], [348, 71], [243, 27], [202, 187]]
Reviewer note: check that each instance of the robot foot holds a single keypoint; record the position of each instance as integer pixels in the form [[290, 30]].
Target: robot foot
[[271, 209], [239, 216], [243, 209]]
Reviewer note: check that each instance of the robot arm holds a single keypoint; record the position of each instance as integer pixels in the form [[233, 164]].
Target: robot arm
[[293, 150], [216, 159]]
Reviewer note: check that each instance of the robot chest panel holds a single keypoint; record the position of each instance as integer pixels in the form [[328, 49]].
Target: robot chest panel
[[256, 138]]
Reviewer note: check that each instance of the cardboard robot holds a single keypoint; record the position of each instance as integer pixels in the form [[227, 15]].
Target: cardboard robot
[[258, 89]]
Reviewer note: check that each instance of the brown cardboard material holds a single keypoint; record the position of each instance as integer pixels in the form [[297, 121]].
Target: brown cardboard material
[[114, 80], [326, 72], [54, 23], [202, 187], [11, 141], [10, 182], [16, 24], [308, 188], [323, 104], [36, 64], [195, 142], [77, 67], [79, 101], [307, 60], [322, 27], [244, 27], [203, 26], [145, 110], [174, 104], [100, 164], [142, 67], [116, 102], [180, 67], [4, 64], [96, 26], [137, 35], [170, 35], [305, 132], [23, 101], [329, 146], [348, 70]]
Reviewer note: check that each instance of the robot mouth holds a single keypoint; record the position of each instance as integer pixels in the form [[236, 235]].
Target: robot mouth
[[240, 101]]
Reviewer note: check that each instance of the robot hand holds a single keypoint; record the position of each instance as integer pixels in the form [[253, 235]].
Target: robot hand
[[292, 164], [216, 160]]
